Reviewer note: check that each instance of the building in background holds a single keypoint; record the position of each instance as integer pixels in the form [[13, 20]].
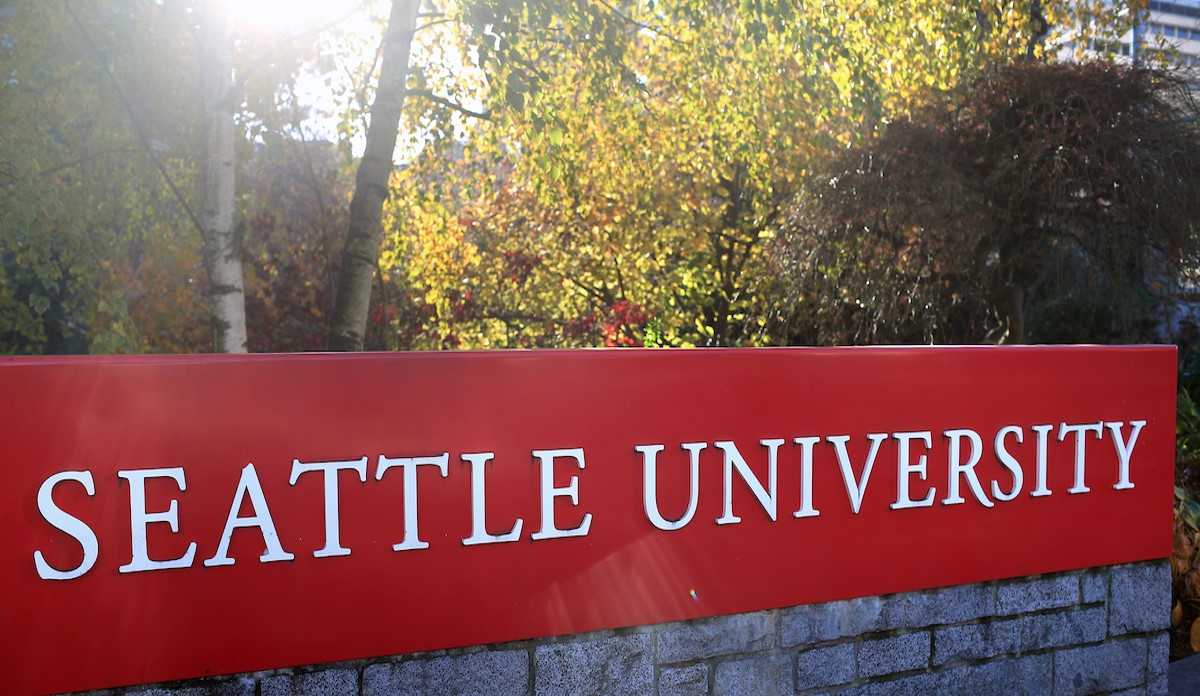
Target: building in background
[[1166, 33], [1170, 30]]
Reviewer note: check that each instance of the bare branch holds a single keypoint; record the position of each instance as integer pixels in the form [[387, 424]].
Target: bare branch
[[434, 22], [640, 25], [84, 160], [293, 39], [137, 128], [426, 94]]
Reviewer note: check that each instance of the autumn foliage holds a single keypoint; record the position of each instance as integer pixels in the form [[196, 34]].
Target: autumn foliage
[[568, 174], [1043, 203]]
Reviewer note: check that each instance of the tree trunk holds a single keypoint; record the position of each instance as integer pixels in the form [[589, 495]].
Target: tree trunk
[[1039, 29], [1009, 302], [222, 247], [1016, 316], [352, 301]]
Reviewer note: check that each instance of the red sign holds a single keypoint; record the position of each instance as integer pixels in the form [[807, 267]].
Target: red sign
[[172, 517]]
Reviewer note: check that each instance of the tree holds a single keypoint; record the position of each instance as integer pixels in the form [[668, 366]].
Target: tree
[[1038, 202], [569, 173], [629, 195], [110, 221], [222, 246], [82, 187], [360, 257], [295, 214]]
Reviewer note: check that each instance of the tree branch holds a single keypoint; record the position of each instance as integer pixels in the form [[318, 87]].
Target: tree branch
[[435, 22], [448, 104], [137, 129], [84, 160], [243, 75], [640, 25]]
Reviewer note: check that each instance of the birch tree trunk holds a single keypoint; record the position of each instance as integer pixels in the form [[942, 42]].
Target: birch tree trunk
[[348, 324], [222, 247]]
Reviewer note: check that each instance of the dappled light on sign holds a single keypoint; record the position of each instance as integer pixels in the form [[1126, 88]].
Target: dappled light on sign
[[401, 503]]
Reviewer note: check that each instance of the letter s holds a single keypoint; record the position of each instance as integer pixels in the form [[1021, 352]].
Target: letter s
[[68, 524]]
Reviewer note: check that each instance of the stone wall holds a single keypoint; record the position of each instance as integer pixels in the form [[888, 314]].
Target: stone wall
[[1099, 630]]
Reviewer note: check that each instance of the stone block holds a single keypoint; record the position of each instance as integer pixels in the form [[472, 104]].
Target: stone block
[[1095, 585], [923, 684], [949, 605], [1006, 677], [1158, 663], [683, 681], [498, 672], [1140, 598], [1157, 686], [1063, 628], [217, 687], [827, 666], [764, 675], [1118, 664], [902, 653], [1028, 675], [618, 665], [334, 682], [1037, 594], [817, 623], [722, 635], [977, 641]]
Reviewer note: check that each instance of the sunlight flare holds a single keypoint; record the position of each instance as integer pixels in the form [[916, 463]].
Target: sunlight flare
[[288, 15]]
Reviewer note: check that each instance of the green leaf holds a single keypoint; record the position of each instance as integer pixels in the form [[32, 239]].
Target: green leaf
[[515, 99], [556, 136], [1191, 513], [39, 303], [515, 87], [273, 141]]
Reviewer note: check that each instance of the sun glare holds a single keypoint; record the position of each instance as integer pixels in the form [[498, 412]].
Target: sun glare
[[288, 15]]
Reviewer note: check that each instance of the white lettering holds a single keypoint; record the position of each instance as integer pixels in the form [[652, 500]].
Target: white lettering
[[1080, 449], [409, 465], [273, 551], [479, 533], [139, 519], [1124, 450], [68, 524], [806, 476], [855, 490], [1009, 462], [1040, 488], [906, 469], [333, 535], [959, 470], [650, 485], [766, 496], [549, 493]]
